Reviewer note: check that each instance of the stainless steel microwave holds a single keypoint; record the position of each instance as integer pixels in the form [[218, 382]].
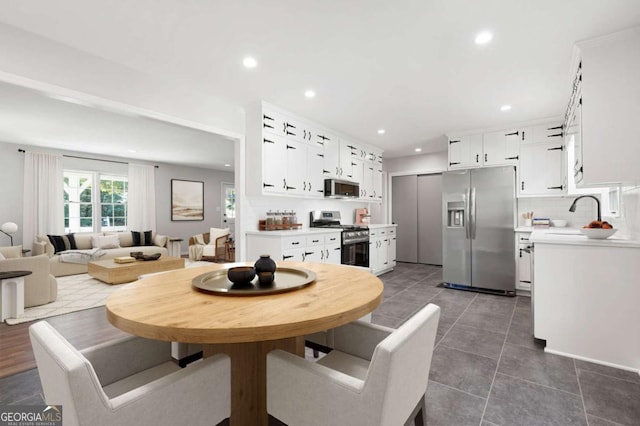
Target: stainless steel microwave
[[334, 188]]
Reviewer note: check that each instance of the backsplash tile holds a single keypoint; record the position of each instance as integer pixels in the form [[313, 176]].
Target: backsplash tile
[[631, 211], [558, 208]]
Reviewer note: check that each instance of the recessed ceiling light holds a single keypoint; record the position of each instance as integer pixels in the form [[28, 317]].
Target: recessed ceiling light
[[484, 37], [418, 149], [132, 150], [310, 94], [381, 131], [505, 107], [227, 165], [249, 62]]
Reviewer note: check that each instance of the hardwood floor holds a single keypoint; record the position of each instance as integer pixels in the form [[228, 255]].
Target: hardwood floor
[[82, 329]]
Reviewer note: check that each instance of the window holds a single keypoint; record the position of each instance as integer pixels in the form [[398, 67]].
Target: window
[[86, 210]]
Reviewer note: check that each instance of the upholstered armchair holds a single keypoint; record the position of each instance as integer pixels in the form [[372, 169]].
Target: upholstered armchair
[[40, 287], [374, 376], [209, 246], [129, 381]]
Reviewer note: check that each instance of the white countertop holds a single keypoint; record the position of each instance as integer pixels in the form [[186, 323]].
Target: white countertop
[[523, 229], [572, 236], [380, 225], [295, 232]]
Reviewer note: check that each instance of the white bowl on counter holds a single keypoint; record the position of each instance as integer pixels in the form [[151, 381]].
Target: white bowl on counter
[[598, 233], [560, 223]]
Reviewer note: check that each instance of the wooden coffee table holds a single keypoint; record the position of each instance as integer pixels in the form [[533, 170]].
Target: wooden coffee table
[[111, 272]]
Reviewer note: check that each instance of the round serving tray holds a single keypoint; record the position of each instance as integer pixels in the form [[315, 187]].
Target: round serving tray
[[286, 279]]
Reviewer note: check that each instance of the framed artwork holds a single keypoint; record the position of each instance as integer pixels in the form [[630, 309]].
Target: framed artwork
[[187, 200]]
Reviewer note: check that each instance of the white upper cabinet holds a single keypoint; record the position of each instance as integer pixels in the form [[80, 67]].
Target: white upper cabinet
[[501, 148], [542, 169], [610, 109], [287, 155], [465, 152]]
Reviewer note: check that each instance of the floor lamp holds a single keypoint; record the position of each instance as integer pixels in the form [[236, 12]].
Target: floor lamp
[[9, 228]]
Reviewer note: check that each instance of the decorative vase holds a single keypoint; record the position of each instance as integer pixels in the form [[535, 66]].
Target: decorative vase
[[265, 264]]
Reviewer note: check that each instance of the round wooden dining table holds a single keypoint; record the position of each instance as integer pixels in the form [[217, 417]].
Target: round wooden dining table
[[167, 307]]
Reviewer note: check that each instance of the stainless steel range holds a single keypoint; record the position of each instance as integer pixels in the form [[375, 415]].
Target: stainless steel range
[[355, 238]]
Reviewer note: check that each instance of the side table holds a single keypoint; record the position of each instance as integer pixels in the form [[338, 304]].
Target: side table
[[174, 246], [12, 294]]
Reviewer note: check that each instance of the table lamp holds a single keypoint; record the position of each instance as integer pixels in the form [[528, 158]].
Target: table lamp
[[9, 228]]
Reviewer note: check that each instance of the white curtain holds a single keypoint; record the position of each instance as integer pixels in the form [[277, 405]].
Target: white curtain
[[43, 208], [141, 198]]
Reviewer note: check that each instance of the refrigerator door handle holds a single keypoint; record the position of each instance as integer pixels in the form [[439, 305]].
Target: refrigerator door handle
[[467, 222], [472, 214]]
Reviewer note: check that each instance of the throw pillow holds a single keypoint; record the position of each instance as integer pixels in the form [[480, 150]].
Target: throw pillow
[[62, 242], [160, 240], [142, 238], [105, 242], [215, 233]]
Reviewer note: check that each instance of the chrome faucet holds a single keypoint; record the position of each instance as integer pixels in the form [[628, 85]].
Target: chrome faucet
[[573, 205]]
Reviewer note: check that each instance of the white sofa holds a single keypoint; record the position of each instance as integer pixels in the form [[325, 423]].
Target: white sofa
[[83, 241]]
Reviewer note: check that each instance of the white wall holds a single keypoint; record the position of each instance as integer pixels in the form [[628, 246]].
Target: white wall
[[12, 183], [417, 164], [631, 211], [42, 60], [259, 206]]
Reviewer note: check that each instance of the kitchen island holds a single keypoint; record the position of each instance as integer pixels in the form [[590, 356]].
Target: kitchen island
[[585, 297]]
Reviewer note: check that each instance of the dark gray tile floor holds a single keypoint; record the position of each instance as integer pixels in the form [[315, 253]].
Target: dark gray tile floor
[[488, 370]]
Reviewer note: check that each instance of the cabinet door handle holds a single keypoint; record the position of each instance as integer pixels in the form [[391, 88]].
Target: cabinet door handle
[[485, 157], [289, 125], [337, 249], [477, 158], [305, 133], [315, 241], [512, 134], [267, 141], [523, 135], [304, 187], [522, 186], [453, 164], [511, 158], [309, 186], [319, 143], [290, 133], [337, 171], [286, 257], [556, 128], [290, 187], [295, 243], [452, 142], [291, 147], [351, 147], [308, 253], [267, 126], [353, 164], [267, 185], [284, 184], [321, 255], [266, 116], [561, 187], [556, 135], [558, 148], [332, 239], [320, 155]]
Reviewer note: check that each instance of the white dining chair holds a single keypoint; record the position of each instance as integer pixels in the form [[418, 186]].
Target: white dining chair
[[374, 376], [129, 381]]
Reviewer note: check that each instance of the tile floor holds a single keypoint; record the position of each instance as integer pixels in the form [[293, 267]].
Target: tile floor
[[486, 369]]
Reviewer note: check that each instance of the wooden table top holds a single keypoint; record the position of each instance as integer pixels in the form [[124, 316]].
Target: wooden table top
[[166, 307]]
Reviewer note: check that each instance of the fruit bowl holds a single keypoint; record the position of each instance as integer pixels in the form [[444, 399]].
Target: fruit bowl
[[598, 233]]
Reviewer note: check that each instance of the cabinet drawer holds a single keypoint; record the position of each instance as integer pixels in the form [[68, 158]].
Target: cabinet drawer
[[332, 239], [315, 240], [293, 242], [293, 255]]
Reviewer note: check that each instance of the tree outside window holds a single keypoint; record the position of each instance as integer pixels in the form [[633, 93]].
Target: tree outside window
[[86, 210]]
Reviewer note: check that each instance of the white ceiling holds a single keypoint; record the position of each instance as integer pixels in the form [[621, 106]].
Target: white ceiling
[[32, 118], [408, 66]]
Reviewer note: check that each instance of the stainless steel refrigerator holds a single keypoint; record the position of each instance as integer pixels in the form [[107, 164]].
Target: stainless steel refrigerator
[[479, 214]]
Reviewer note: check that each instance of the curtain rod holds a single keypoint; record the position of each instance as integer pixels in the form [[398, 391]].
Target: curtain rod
[[93, 159]]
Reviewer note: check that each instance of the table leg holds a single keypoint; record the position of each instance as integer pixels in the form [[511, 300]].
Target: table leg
[[11, 298], [249, 376]]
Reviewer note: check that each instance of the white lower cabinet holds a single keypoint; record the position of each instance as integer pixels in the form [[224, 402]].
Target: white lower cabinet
[[523, 261], [382, 249], [302, 247]]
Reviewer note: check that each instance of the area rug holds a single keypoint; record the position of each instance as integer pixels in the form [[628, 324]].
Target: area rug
[[76, 293]]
